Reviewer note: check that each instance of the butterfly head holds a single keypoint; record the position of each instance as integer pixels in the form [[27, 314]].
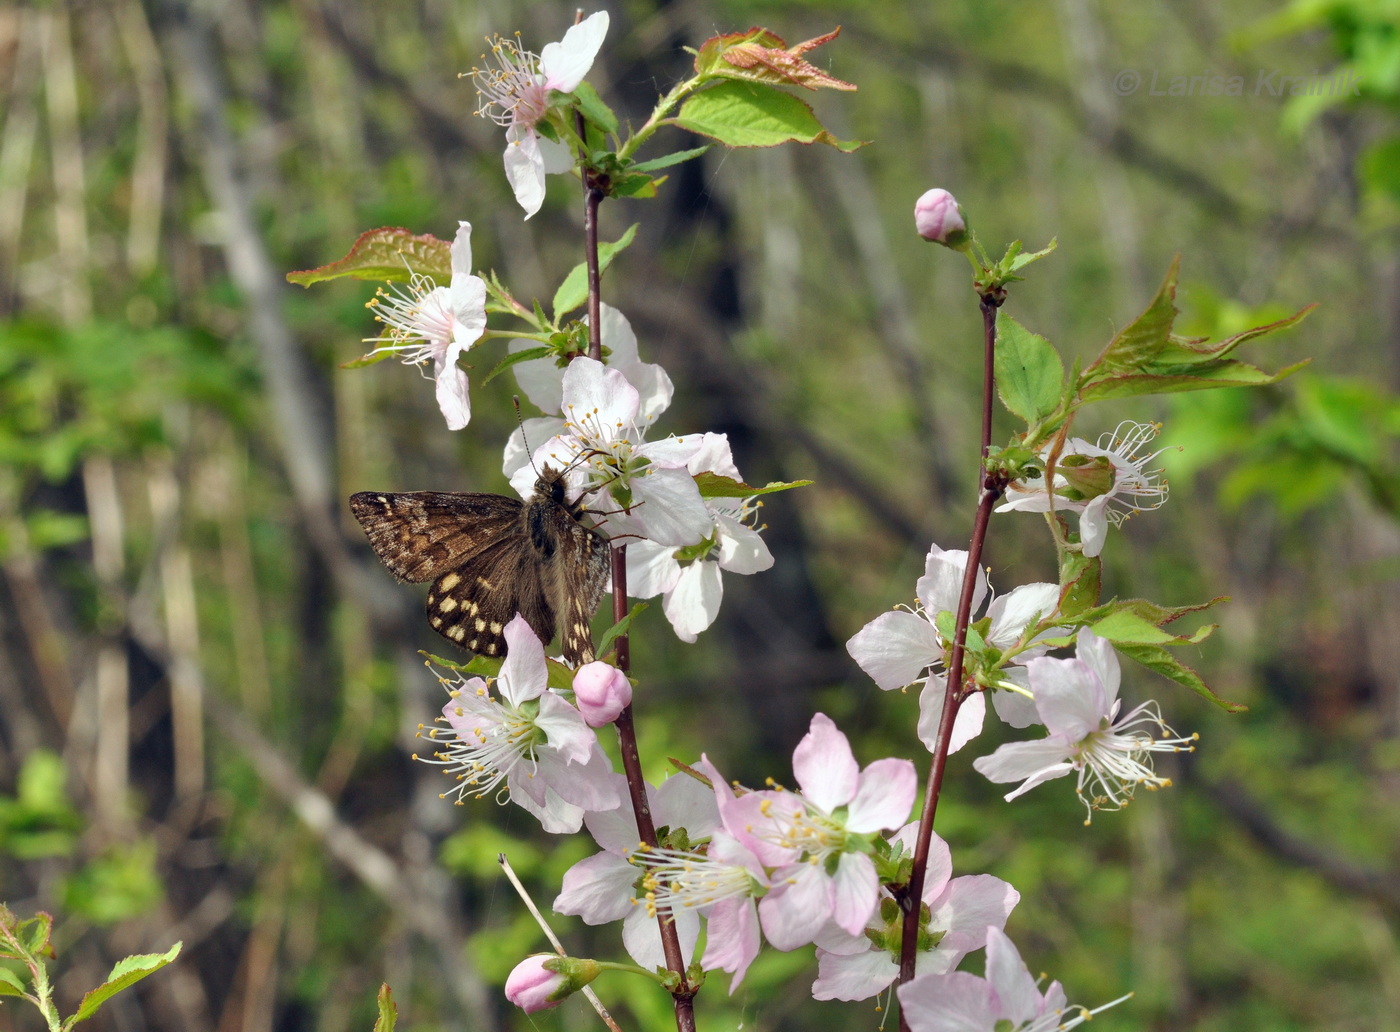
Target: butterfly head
[[550, 485]]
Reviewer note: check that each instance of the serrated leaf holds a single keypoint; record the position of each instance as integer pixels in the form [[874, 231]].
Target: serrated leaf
[[618, 629], [1142, 339], [1124, 626], [760, 55], [37, 933], [11, 984], [125, 973], [594, 109], [1186, 352], [574, 290], [388, 1010], [515, 358], [667, 160], [712, 485], [1228, 373], [747, 114], [385, 254], [1029, 373], [1156, 658], [945, 622]]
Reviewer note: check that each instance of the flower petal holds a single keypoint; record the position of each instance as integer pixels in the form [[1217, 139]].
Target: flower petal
[[940, 587], [741, 548], [598, 889], [824, 765], [855, 892], [651, 569], [565, 63], [895, 648], [1020, 1001], [957, 1002], [693, 602], [884, 796], [524, 164], [853, 977], [731, 938], [524, 674], [1069, 696], [967, 725]]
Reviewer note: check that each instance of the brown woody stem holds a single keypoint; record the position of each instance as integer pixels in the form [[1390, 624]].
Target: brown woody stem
[[684, 995], [991, 490]]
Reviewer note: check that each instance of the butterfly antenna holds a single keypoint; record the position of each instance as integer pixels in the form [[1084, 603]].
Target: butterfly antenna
[[529, 452]]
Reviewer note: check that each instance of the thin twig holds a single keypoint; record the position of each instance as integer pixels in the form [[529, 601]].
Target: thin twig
[[587, 990]]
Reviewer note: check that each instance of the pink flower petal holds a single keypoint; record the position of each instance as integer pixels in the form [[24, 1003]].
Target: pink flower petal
[[854, 977], [824, 765], [884, 796]]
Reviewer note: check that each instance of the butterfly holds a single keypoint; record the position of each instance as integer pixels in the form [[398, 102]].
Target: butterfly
[[490, 557]]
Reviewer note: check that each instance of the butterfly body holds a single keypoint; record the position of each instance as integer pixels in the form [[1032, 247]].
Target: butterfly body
[[490, 557]]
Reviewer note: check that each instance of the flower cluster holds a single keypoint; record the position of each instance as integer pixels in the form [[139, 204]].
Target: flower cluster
[[832, 864], [794, 868]]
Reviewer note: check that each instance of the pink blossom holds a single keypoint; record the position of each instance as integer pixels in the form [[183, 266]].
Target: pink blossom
[[428, 323], [527, 738], [831, 877], [516, 94], [1078, 701], [857, 967], [1007, 1000]]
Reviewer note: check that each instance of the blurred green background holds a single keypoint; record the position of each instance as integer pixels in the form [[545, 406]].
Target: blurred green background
[[209, 688]]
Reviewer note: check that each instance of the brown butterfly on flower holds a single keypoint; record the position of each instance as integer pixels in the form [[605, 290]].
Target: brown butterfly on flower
[[490, 557]]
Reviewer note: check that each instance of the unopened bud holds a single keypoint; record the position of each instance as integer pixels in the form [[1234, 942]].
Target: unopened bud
[[938, 218], [1087, 476], [542, 981], [601, 691]]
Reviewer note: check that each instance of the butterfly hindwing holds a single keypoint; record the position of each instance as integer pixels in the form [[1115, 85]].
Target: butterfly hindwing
[[471, 605]]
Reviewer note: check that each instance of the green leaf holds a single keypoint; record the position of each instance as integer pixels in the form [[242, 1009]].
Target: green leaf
[[1139, 342], [574, 290], [712, 485], [1154, 657], [1029, 373], [388, 1010], [385, 254], [1222, 374], [560, 676], [479, 666], [1081, 580], [1183, 353], [594, 109], [11, 984], [667, 160], [746, 114], [515, 358], [619, 628], [373, 358], [126, 973], [1124, 626]]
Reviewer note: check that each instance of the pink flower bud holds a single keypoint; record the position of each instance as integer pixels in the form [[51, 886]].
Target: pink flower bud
[[542, 981], [531, 984], [938, 218], [601, 691]]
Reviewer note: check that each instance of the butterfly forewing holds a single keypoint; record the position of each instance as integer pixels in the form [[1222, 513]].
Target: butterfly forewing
[[420, 535], [492, 557]]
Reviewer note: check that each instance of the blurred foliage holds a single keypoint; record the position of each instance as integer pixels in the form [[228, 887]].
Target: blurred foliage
[[795, 311]]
